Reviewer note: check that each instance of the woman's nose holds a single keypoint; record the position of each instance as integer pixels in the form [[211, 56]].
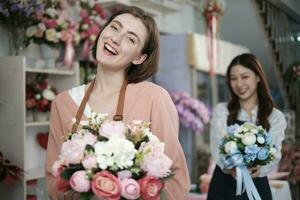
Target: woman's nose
[[117, 38]]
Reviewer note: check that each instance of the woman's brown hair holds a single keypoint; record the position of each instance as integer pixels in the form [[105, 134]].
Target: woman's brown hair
[[265, 102], [138, 73]]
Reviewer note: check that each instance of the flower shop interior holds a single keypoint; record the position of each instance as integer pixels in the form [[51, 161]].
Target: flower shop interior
[[45, 49]]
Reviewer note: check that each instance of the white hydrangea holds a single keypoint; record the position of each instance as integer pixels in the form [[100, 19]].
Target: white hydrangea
[[116, 151]]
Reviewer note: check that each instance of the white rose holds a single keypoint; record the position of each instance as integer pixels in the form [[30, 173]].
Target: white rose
[[85, 26], [260, 140], [42, 26], [48, 94], [38, 96], [51, 12], [248, 138], [230, 146], [51, 35], [31, 31], [273, 150]]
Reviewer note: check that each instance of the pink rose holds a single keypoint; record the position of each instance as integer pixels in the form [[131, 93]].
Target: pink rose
[[79, 181], [109, 128], [106, 185], [150, 188], [50, 23], [89, 162], [130, 189]]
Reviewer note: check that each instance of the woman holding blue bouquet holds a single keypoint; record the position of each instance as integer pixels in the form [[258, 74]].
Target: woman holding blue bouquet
[[251, 102]]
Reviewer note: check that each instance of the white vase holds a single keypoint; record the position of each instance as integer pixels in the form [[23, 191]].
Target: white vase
[[41, 116], [49, 54]]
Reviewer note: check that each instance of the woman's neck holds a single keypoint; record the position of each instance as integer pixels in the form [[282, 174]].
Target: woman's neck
[[249, 104], [108, 81]]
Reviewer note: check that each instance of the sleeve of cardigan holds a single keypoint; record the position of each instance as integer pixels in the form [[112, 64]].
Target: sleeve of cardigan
[[165, 124], [54, 143]]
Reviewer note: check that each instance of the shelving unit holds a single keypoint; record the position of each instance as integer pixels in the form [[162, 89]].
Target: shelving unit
[[18, 139]]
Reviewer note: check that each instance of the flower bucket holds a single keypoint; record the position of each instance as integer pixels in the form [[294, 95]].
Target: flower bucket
[[41, 116], [49, 54]]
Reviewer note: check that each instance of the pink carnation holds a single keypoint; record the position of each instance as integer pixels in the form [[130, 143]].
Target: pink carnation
[[79, 182]]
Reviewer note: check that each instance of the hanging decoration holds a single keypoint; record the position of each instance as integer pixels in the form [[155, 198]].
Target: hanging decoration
[[212, 10]]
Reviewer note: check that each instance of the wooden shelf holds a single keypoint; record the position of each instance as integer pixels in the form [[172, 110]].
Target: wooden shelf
[[36, 124], [51, 71], [32, 174]]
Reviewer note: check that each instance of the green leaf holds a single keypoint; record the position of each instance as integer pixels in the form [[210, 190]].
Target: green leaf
[[85, 195], [68, 172]]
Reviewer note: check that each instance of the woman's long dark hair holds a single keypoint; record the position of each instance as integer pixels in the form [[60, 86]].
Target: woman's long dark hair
[[265, 102]]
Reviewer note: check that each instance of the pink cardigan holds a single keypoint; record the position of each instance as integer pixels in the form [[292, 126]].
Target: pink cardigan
[[143, 101]]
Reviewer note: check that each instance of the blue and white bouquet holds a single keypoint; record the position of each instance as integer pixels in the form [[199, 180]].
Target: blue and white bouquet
[[246, 146]]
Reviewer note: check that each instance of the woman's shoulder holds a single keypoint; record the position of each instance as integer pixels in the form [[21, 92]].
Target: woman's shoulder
[[276, 115], [67, 95], [149, 88], [221, 108]]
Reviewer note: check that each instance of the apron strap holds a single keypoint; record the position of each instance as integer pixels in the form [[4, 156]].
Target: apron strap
[[119, 113]]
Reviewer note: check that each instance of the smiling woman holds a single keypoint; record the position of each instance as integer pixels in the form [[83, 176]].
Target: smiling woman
[[127, 51]]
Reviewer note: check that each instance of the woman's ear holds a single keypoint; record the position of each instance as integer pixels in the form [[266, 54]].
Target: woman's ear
[[257, 78], [140, 59]]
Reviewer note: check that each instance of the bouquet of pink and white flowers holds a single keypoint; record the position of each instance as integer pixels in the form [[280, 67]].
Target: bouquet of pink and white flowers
[[112, 160], [246, 145]]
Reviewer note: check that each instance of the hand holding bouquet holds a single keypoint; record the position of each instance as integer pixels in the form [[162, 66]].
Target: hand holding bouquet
[[246, 146], [112, 160]]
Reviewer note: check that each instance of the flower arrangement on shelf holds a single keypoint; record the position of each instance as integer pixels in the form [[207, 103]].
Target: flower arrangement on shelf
[[128, 158], [53, 27], [9, 173], [17, 15], [192, 112], [244, 146], [92, 18], [39, 95]]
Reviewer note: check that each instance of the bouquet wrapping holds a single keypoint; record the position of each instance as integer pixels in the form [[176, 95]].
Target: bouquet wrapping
[[112, 160], [244, 146]]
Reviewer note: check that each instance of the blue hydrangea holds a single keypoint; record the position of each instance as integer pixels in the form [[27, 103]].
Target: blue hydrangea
[[237, 159], [231, 129], [251, 149], [268, 138], [263, 154]]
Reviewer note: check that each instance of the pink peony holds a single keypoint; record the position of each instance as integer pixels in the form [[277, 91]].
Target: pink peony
[[109, 128], [72, 152], [106, 185], [79, 181], [158, 166], [130, 189], [150, 188], [89, 162]]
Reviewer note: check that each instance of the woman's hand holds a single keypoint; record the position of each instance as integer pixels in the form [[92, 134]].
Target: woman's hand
[[254, 171], [232, 172]]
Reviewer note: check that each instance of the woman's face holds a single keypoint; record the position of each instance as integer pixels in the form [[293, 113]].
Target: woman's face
[[243, 82], [121, 42]]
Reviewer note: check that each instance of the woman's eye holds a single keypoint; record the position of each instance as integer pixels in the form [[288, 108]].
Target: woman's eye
[[131, 40], [114, 27], [245, 77]]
